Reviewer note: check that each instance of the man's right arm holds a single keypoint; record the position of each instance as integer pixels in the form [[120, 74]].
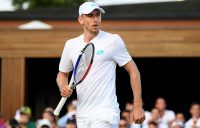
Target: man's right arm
[[62, 82]]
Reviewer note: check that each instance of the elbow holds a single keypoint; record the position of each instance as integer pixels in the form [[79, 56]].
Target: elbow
[[61, 75], [57, 77]]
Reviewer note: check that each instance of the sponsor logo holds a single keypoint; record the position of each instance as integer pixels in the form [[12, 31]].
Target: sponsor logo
[[99, 52]]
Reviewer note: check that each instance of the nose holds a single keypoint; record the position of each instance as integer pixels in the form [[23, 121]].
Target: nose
[[95, 18]]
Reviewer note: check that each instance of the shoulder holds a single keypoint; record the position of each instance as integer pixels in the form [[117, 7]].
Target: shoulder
[[188, 122], [31, 124], [112, 39], [147, 115], [169, 112], [108, 35], [198, 122], [73, 41]]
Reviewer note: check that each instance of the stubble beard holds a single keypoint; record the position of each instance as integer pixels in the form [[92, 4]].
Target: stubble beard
[[93, 31]]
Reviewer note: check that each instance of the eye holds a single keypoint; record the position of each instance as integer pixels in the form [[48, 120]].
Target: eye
[[98, 14], [89, 15]]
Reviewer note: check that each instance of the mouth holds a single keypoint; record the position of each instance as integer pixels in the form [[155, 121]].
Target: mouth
[[95, 25]]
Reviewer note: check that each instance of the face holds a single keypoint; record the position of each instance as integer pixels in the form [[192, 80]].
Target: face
[[160, 104], [180, 116], [70, 125], [91, 22], [195, 110], [152, 126], [48, 116], [24, 118], [122, 124], [129, 107], [71, 108], [126, 115]]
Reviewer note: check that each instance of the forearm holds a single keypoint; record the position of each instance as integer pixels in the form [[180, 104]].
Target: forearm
[[62, 80], [136, 88], [138, 112], [135, 81]]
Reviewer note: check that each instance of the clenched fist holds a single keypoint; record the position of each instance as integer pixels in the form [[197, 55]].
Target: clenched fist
[[66, 91]]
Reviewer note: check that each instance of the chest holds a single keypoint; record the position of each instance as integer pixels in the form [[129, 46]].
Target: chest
[[103, 52]]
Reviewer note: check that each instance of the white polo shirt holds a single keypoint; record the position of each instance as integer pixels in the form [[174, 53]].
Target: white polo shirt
[[168, 116], [190, 123], [96, 95]]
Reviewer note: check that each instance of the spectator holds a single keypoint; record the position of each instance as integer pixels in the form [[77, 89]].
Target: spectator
[[123, 123], [155, 117], [23, 117], [126, 115], [48, 114], [48, 109], [71, 123], [152, 125], [12, 123], [44, 123], [166, 116], [129, 106], [71, 111], [194, 121], [2, 122], [177, 124], [180, 117]]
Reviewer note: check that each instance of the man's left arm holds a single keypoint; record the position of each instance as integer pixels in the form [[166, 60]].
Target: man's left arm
[[137, 115]]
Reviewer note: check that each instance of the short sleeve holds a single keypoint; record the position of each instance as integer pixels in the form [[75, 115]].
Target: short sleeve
[[172, 115], [65, 61], [121, 55]]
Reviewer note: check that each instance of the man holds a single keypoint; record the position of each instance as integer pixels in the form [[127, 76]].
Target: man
[[194, 121], [71, 111], [24, 117], [71, 123], [97, 105], [166, 116], [48, 114], [123, 123], [155, 117], [152, 125]]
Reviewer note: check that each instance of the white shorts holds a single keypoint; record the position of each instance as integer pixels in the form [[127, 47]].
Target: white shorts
[[100, 118], [85, 123]]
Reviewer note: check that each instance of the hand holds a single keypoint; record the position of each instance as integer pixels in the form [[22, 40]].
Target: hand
[[66, 91], [137, 115]]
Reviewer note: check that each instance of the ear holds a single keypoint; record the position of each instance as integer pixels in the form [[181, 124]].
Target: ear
[[80, 20]]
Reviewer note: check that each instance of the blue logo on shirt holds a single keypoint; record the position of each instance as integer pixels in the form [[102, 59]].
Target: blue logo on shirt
[[99, 52], [93, 5]]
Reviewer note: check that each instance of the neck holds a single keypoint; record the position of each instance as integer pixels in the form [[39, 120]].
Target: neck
[[88, 36], [195, 117]]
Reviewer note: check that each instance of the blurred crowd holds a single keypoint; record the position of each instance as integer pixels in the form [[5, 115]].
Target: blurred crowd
[[158, 117]]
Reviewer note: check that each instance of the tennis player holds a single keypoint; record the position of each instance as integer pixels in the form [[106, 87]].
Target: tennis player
[[97, 105]]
